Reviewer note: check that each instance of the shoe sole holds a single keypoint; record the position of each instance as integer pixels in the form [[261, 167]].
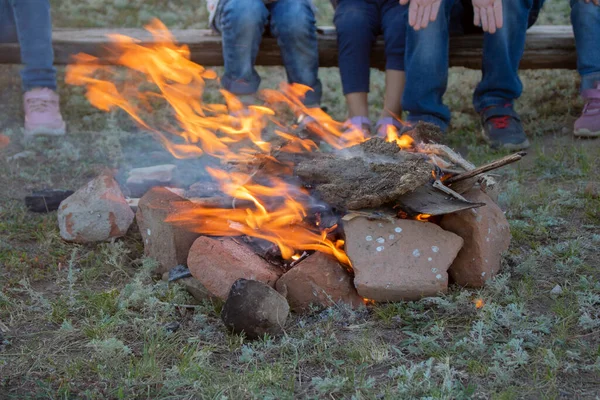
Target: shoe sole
[[506, 146], [586, 133], [42, 131]]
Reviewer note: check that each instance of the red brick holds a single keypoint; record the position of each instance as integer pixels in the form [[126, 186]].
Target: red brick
[[400, 259], [486, 233], [218, 262], [166, 243], [319, 281]]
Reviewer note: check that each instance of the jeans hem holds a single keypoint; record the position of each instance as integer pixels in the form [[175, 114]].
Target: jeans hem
[[239, 87], [492, 102], [588, 81]]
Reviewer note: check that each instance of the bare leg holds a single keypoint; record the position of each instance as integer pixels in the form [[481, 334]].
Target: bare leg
[[394, 88], [358, 105]]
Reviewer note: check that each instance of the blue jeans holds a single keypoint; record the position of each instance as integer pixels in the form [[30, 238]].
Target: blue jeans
[[358, 23], [242, 24], [586, 25], [29, 23], [427, 50]]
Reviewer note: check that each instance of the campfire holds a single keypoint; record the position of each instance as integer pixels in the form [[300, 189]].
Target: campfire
[[318, 211]]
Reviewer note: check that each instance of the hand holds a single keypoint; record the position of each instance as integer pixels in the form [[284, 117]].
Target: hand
[[488, 14], [421, 12]]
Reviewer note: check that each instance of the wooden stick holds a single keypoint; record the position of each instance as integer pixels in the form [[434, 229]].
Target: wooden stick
[[220, 202], [441, 150], [487, 167]]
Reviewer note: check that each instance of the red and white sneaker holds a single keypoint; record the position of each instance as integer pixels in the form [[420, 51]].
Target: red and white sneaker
[[42, 113]]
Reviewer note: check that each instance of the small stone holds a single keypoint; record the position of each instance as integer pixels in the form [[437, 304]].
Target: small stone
[[172, 327], [140, 180], [166, 243], [179, 272], [556, 290], [319, 281], [218, 263], [254, 309], [195, 288], [96, 212], [203, 189], [486, 233], [407, 268]]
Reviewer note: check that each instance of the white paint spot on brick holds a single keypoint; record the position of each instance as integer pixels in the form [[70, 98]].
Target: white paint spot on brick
[[479, 218], [148, 231], [430, 259], [416, 253], [391, 237], [380, 225], [369, 238], [434, 270], [398, 230], [147, 241], [380, 248], [483, 274], [438, 276], [435, 249], [380, 240]]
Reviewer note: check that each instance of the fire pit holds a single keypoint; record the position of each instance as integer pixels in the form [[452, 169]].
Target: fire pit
[[366, 219]]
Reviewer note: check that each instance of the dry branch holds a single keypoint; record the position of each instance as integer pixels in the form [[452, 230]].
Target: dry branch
[[487, 167]]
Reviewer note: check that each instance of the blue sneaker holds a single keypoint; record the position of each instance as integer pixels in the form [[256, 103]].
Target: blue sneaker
[[502, 128]]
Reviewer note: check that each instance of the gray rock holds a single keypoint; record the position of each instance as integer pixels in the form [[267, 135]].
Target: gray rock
[[96, 212], [556, 290], [255, 309]]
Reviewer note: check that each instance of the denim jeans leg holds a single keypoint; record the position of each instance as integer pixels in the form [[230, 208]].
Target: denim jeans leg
[[33, 24], [502, 53], [586, 25], [426, 66], [393, 23], [241, 23], [357, 24], [293, 23]]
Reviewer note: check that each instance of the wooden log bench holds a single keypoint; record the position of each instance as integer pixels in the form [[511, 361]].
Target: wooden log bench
[[546, 47]]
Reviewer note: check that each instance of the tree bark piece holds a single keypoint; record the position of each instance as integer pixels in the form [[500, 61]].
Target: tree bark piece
[[369, 175]]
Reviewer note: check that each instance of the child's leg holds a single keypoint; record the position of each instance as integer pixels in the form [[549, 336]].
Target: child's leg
[[394, 89], [393, 21], [357, 24], [502, 52], [242, 23], [293, 24], [34, 30], [586, 25], [426, 66]]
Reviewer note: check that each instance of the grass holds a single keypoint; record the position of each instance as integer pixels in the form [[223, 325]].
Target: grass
[[89, 321]]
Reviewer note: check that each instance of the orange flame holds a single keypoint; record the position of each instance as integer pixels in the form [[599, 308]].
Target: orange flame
[[405, 142], [479, 303], [162, 74]]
